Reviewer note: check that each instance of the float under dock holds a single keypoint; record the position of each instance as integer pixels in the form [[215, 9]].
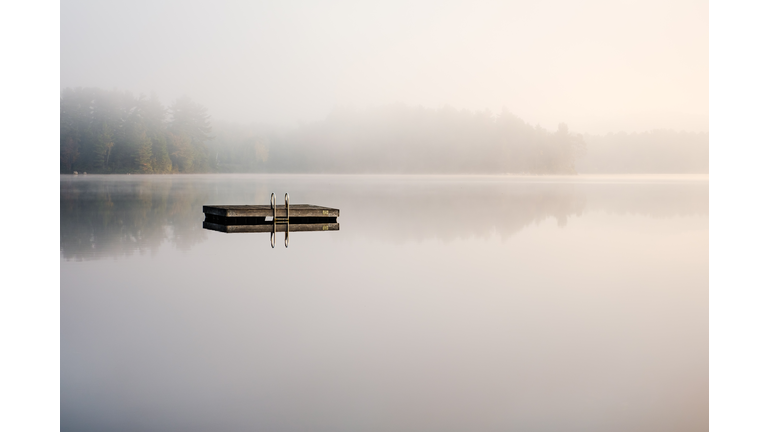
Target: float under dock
[[270, 227]]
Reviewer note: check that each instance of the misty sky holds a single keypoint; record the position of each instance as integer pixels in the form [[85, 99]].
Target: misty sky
[[599, 66]]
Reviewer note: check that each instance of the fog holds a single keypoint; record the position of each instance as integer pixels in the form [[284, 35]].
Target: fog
[[658, 151], [598, 66], [524, 210]]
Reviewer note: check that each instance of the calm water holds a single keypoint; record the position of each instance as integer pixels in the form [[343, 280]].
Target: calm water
[[454, 303]]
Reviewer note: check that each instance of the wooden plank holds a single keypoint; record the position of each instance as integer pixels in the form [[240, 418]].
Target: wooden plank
[[268, 227], [297, 210]]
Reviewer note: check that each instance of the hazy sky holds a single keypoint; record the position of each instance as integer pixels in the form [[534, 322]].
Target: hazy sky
[[599, 66]]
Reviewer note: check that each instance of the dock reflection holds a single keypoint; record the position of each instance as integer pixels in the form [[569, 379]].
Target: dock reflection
[[271, 228]]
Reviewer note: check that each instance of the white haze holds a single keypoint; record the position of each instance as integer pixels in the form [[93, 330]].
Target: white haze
[[599, 66]]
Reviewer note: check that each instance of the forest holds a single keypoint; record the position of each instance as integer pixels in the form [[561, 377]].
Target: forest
[[105, 131], [115, 132]]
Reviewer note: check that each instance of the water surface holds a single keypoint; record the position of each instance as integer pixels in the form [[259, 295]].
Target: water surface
[[444, 303]]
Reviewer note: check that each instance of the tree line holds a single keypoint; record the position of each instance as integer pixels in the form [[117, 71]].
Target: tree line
[[116, 132]]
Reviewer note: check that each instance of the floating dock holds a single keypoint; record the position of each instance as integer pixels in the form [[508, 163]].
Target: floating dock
[[270, 218]]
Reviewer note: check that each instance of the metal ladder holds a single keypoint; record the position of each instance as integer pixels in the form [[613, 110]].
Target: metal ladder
[[276, 220]]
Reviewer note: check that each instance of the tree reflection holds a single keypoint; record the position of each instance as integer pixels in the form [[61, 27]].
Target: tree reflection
[[112, 216], [118, 218]]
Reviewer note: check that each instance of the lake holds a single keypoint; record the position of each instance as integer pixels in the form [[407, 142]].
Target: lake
[[443, 303]]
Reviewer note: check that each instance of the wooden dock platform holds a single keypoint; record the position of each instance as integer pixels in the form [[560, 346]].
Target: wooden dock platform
[[255, 211]]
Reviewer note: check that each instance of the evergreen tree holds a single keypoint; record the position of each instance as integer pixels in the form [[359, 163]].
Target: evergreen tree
[[190, 126], [154, 114], [144, 156]]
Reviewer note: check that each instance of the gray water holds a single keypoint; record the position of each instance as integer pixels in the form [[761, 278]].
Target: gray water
[[443, 303]]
